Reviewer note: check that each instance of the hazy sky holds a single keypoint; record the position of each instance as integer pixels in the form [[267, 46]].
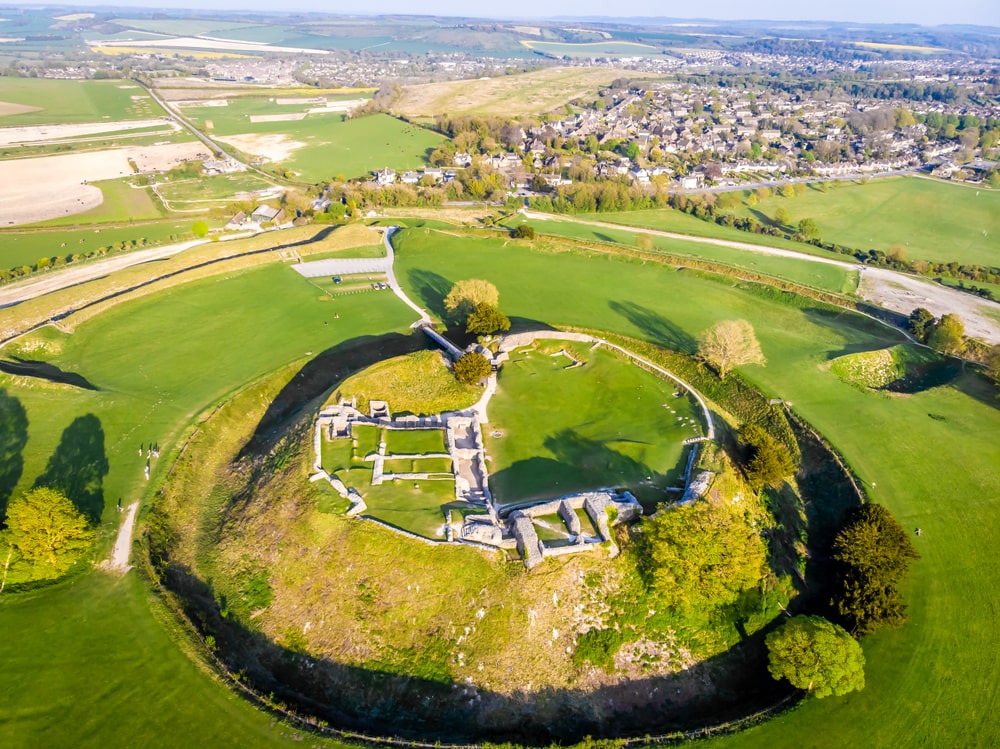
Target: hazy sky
[[927, 12]]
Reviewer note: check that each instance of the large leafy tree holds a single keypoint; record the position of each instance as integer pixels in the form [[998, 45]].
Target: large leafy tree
[[730, 343], [948, 336], [486, 319], [45, 528], [874, 554], [817, 656], [920, 323], [702, 556]]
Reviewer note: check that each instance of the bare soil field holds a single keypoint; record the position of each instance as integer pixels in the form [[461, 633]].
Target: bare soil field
[[8, 107], [212, 43], [541, 91], [41, 133], [273, 146], [33, 190]]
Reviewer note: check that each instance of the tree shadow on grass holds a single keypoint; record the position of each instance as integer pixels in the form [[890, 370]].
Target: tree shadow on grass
[[78, 466], [654, 327], [322, 373], [431, 289], [13, 437], [45, 371]]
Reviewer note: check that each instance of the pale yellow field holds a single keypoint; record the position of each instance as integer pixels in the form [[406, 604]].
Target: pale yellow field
[[905, 47], [528, 93], [154, 51]]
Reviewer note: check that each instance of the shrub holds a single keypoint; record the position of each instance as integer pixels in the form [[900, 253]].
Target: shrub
[[471, 368]]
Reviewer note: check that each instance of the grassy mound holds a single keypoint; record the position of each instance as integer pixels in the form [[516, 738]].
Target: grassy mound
[[418, 383], [879, 369]]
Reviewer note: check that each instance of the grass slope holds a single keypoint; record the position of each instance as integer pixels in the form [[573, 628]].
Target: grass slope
[[75, 101], [930, 683], [113, 676], [934, 220], [527, 93]]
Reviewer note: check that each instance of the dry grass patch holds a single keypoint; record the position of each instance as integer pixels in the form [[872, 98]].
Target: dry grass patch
[[530, 93]]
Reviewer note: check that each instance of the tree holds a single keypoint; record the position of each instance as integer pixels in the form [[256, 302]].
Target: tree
[[948, 335], [486, 319], [817, 656], [465, 295], [808, 228], [767, 462], [702, 556], [781, 217], [45, 528], [920, 323], [730, 343], [200, 229], [523, 231], [874, 554], [471, 368]]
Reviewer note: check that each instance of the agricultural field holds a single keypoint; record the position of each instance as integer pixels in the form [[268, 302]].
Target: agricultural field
[[934, 221], [68, 102], [528, 93], [565, 428], [320, 146]]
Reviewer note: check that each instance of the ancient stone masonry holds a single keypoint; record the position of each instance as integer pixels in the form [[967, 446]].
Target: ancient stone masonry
[[584, 520]]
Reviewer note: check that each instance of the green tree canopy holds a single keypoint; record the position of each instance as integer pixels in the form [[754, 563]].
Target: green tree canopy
[[808, 228], [767, 461], [45, 528], [471, 368], [200, 228], [874, 554], [486, 319], [920, 323], [817, 656], [948, 336], [781, 216], [702, 556]]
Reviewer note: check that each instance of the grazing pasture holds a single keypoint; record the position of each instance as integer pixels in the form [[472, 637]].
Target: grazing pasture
[[933, 220], [61, 101]]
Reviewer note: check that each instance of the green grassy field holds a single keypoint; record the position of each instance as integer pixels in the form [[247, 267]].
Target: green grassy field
[[930, 683], [152, 377], [204, 192], [604, 424], [26, 247], [113, 671], [329, 145], [808, 273], [74, 101], [934, 220]]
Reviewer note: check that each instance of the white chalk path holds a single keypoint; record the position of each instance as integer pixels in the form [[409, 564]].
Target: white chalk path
[[118, 561], [887, 288], [425, 319]]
